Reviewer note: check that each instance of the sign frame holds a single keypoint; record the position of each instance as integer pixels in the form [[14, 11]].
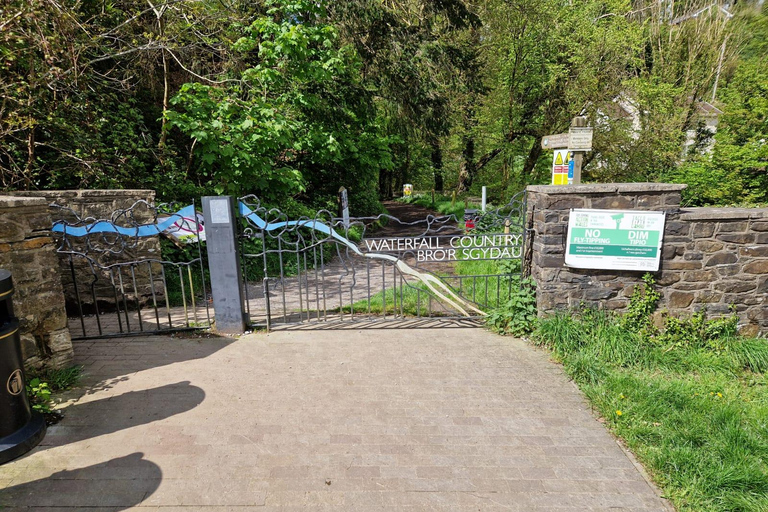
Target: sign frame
[[615, 239], [344, 197]]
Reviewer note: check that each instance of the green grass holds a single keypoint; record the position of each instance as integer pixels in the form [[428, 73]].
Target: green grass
[[489, 292], [443, 204], [384, 302], [695, 414], [498, 290], [60, 380]]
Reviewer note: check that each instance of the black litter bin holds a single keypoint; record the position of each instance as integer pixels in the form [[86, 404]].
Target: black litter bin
[[20, 427]]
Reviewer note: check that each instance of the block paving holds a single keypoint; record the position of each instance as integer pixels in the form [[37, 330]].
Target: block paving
[[451, 419]]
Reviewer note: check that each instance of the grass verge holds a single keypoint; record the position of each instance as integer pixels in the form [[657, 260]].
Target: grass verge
[[411, 301], [689, 399], [446, 205]]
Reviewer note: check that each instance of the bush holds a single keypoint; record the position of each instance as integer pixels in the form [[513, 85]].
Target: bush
[[517, 316]]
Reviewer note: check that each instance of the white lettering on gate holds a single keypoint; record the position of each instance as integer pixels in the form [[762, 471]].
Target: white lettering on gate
[[463, 247]]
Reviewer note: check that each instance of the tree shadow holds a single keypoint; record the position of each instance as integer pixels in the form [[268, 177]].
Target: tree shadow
[[89, 419], [117, 484], [110, 361]]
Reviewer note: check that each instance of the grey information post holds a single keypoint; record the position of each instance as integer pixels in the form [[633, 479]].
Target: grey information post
[[224, 264]]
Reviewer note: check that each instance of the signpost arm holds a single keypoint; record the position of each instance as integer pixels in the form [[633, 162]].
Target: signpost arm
[[578, 156]]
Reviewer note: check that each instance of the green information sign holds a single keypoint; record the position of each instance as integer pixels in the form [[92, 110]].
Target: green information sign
[[614, 239]]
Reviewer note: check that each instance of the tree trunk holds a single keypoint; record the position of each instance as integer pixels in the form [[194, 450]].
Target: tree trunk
[[467, 169], [31, 134], [385, 184], [164, 120], [533, 157], [437, 165]]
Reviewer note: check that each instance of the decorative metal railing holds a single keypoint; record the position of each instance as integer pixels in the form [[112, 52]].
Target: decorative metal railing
[[117, 281]]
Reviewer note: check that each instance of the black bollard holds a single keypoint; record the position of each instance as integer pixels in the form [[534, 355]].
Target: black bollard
[[21, 429]]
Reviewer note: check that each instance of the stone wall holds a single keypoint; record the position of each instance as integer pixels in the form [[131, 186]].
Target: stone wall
[[28, 252], [715, 258], [711, 257], [120, 207]]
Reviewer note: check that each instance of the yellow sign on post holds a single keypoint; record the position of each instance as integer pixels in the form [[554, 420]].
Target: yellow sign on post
[[560, 167]]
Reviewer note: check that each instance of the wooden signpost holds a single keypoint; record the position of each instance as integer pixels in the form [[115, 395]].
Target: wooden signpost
[[556, 141], [578, 140]]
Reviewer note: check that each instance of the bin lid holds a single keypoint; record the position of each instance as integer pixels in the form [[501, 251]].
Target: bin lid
[[6, 283]]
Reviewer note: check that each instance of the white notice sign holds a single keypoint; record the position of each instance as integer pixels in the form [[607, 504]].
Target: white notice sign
[[614, 239], [580, 138], [219, 211]]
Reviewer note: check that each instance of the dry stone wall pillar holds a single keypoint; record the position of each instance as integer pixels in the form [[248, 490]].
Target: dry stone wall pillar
[[28, 252]]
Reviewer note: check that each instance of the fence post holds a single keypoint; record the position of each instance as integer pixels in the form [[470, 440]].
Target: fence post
[[224, 264]]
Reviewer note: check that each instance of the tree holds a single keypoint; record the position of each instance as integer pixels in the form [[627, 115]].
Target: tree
[[735, 171], [297, 118], [84, 84], [412, 60], [683, 48], [546, 62]]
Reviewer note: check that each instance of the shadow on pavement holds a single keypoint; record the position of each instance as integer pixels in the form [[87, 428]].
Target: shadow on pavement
[[107, 362], [89, 419], [117, 484]]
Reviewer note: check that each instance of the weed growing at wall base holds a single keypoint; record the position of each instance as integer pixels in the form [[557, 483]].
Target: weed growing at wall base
[[517, 316], [43, 385], [690, 398], [39, 394]]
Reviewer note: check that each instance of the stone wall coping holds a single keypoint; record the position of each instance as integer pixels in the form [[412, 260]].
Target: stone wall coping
[[52, 194], [16, 201], [708, 213], [607, 188]]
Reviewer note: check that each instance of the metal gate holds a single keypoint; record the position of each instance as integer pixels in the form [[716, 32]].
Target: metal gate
[[119, 277], [322, 271]]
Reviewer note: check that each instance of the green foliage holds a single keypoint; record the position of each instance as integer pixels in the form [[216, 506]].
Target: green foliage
[[590, 333], [443, 204], [43, 384], [693, 331], [689, 398], [410, 300], [60, 379], [540, 74], [517, 316], [641, 305], [415, 60], [290, 99], [179, 286], [298, 118], [733, 173], [696, 331], [699, 436], [39, 395]]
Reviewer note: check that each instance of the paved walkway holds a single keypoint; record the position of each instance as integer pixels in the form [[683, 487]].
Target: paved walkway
[[410, 419]]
